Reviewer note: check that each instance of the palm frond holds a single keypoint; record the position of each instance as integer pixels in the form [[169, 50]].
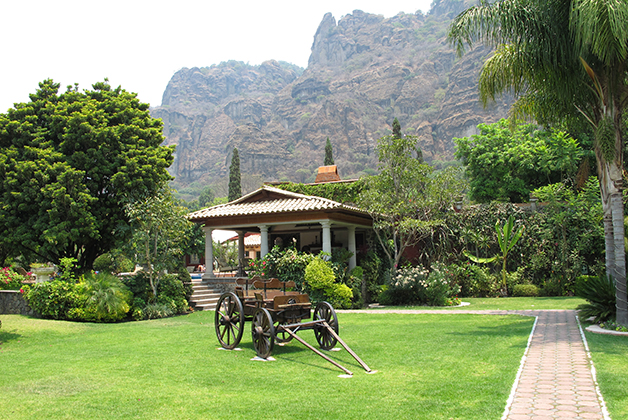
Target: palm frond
[[602, 25], [600, 295]]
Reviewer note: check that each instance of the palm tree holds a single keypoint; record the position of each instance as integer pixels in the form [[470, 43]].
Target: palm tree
[[563, 59]]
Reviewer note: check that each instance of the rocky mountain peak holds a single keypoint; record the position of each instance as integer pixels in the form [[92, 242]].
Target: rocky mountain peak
[[363, 71]]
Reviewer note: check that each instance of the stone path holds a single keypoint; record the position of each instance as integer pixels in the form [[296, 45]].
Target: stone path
[[556, 379]]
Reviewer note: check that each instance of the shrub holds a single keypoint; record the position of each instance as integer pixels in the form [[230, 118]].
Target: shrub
[[171, 292], [55, 299], [525, 290], [372, 268], [355, 280], [415, 285], [599, 291], [291, 264], [320, 284], [552, 287], [157, 310], [439, 289], [474, 280], [113, 262], [10, 280], [107, 298]]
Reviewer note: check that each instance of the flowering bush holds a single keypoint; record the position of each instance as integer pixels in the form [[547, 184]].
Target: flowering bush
[[287, 264], [10, 280], [415, 285]]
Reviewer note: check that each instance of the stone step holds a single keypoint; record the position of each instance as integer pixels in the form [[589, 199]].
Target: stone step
[[205, 307], [206, 302], [204, 297], [197, 297]]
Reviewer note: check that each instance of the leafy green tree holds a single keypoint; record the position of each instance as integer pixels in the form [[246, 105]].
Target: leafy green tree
[[329, 153], [563, 59], [68, 165], [406, 198], [235, 189], [206, 198], [159, 235], [506, 164]]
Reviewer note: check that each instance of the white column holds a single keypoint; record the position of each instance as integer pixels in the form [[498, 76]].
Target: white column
[[209, 253], [240, 252], [326, 236], [353, 260], [264, 239]]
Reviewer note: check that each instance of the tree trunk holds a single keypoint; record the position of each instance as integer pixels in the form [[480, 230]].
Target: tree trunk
[[610, 175], [620, 258], [605, 189]]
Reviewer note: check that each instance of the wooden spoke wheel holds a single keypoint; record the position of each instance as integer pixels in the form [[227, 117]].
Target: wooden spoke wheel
[[263, 333], [281, 337], [229, 320], [325, 339]]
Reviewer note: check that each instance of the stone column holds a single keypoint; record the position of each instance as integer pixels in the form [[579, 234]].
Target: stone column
[[264, 240], [326, 236], [353, 260], [209, 253]]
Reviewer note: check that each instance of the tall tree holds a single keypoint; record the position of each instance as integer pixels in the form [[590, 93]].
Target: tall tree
[[68, 165], [235, 189], [506, 162], [329, 154], [563, 59], [406, 198], [206, 198], [159, 238]]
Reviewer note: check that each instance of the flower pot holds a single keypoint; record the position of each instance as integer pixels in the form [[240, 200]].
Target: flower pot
[[43, 273]]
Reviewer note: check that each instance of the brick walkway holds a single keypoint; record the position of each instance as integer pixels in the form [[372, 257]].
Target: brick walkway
[[556, 379]]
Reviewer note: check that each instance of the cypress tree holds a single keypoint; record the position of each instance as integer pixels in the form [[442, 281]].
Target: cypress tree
[[396, 129], [329, 154], [235, 189]]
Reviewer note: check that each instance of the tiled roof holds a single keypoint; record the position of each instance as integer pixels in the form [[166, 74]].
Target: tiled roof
[[250, 239], [283, 202]]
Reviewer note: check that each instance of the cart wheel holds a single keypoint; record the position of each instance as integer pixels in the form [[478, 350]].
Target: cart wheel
[[229, 320], [281, 337], [263, 333], [325, 339]]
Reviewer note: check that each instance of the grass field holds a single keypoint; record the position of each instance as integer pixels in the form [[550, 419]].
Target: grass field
[[429, 367], [610, 358], [510, 304]]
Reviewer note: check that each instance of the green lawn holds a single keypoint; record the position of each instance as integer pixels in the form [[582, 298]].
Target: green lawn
[[429, 367], [510, 303], [610, 358]]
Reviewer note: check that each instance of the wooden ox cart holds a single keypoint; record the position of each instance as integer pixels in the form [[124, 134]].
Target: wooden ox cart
[[276, 315]]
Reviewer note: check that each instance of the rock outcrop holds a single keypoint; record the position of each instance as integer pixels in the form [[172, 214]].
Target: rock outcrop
[[363, 71]]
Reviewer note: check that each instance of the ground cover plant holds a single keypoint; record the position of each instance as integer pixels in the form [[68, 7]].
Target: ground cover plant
[[429, 367]]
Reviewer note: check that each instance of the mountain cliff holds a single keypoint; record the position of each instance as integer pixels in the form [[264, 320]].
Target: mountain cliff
[[363, 71]]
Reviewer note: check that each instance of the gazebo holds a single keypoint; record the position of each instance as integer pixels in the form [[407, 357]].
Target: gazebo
[[284, 218]]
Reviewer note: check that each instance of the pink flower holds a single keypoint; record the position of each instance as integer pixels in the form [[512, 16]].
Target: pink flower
[[21, 290]]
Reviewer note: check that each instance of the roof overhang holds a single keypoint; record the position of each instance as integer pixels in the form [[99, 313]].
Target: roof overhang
[[272, 206]]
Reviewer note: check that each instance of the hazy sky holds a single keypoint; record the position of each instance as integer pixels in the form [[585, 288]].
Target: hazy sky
[[140, 44]]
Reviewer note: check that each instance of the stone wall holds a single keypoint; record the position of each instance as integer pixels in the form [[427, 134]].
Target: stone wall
[[12, 302]]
